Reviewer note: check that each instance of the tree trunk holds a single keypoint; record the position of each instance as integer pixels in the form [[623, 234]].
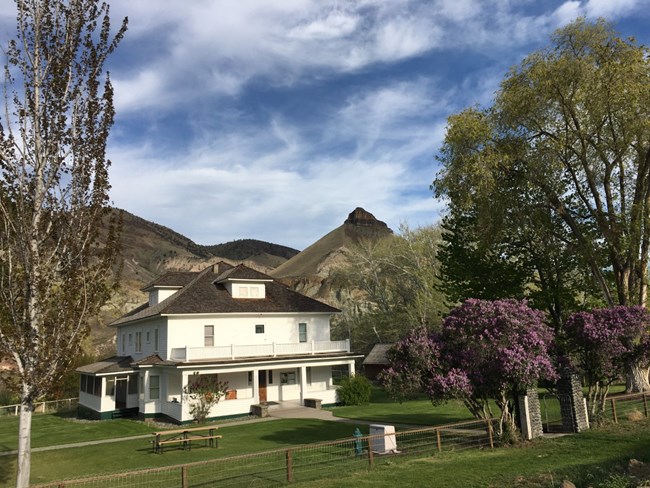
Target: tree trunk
[[636, 379], [24, 444]]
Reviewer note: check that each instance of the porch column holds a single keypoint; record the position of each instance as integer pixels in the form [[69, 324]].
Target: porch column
[[184, 376], [351, 371], [256, 385], [303, 384]]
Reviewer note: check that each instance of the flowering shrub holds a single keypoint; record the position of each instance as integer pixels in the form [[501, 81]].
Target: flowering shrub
[[484, 350], [204, 393], [604, 345]]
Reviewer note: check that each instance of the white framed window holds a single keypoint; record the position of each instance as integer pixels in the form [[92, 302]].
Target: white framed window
[[243, 292], [148, 336], [155, 340], [250, 378], [259, 328], [130, 340], [154, 387], [255, 292], [123, 342], [208, 335], [288, 378], [308, 375], [302, 332], [138, 341]]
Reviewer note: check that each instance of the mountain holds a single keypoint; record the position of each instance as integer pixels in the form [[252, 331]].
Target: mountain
[[148, 250], [309, 271]]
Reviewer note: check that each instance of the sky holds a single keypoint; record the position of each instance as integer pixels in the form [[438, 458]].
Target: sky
[[274, 119]]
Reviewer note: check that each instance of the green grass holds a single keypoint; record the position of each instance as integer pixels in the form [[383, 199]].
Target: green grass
[[587, 459], [383, 409]]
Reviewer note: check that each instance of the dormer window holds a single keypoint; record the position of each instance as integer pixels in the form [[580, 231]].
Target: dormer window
[[248, 290]]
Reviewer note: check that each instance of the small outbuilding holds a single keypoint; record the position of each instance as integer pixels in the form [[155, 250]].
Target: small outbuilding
[[376, 361]]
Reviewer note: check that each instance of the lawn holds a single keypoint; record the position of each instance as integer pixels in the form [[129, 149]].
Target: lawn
[[539, 464], [595, 458]]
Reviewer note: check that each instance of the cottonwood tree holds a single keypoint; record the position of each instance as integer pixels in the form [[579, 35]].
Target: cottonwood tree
[[485, 350], [569, 131], [395, 282], [54, 273]]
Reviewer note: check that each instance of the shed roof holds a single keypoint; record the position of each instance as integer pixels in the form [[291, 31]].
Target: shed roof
[[378, 354]]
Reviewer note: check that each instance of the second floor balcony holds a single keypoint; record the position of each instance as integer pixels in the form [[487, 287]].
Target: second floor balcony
[[239, 351]]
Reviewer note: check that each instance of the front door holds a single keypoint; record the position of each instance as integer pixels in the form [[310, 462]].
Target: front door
[[120, 393], [261, 375]]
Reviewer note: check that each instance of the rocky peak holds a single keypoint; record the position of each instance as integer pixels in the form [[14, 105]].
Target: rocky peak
[[361, 217]]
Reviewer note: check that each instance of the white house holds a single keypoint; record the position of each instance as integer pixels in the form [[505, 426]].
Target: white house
[[269, 343]]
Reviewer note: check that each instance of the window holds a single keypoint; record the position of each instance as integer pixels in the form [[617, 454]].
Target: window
[[208, 335], [302, 332], [138, 342], [250, 378], [148, 336], [308, 374], [154, 387], [270, 376], [255, 292], [133, 384], [243, 292], [259, 328], [130, 340], [110, 386], [123, 342], [155, 340], [288, 378], [91, 385]]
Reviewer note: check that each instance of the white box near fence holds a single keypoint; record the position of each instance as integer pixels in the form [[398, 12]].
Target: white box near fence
[[382, 439]]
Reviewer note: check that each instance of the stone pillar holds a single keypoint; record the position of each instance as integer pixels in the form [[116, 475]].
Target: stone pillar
[[530, 414], [572, 403]]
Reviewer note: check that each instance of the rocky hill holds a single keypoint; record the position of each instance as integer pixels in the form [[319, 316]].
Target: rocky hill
[[310, 271]]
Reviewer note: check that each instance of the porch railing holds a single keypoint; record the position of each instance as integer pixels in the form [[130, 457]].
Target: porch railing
[[236, 351]]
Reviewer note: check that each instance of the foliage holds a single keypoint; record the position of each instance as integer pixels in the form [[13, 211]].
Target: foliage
[[354, 390], [484, 350], [203, 393], [395, 280], [604, 345], [568, 133], [54, 188]]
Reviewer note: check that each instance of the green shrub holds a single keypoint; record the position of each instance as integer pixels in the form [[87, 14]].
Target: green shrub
[[354, 390]]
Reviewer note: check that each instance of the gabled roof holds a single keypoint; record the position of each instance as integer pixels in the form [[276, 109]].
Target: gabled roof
[[243, 273], [378, 354], [204, 295], [174, 279]]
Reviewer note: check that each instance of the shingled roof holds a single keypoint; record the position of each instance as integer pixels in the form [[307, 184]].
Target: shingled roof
[[205, 294]]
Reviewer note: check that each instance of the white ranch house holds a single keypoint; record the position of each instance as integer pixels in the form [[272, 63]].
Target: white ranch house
[[269, 343]]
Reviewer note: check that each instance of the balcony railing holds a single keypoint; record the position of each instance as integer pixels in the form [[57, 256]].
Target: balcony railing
[[236, 351]]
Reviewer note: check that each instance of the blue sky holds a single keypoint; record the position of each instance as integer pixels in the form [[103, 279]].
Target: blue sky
[[273, 119]]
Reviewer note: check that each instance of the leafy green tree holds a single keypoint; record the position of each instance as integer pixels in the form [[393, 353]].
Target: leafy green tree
[[569, 132], [395, 284], [54, 187]]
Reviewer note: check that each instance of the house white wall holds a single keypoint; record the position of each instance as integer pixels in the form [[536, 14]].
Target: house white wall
[[127, 338], [189, 331]]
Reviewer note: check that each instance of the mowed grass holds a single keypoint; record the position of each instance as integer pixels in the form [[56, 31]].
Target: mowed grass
[[416, 412], [137, 454], [590, 459]]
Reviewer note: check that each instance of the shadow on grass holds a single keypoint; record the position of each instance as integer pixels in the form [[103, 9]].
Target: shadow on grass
[[309, 433]]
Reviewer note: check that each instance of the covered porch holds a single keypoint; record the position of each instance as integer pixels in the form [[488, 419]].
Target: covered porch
[[250, 383]]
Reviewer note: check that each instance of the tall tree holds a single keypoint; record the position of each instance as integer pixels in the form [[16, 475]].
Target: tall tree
[[569, 131], [54, 273], [395, 280]]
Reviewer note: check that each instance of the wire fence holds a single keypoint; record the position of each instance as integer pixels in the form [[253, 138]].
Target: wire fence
[[316, 461], [43, 407], [300, 463]]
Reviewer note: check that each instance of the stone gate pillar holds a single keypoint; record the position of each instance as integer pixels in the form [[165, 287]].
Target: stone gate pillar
[[530, 414], [572, 403]]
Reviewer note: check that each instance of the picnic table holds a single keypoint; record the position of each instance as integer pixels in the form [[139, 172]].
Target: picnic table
[[184, 437]]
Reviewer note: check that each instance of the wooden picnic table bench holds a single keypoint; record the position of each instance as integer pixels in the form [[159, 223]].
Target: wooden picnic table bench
[[184, 437]]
